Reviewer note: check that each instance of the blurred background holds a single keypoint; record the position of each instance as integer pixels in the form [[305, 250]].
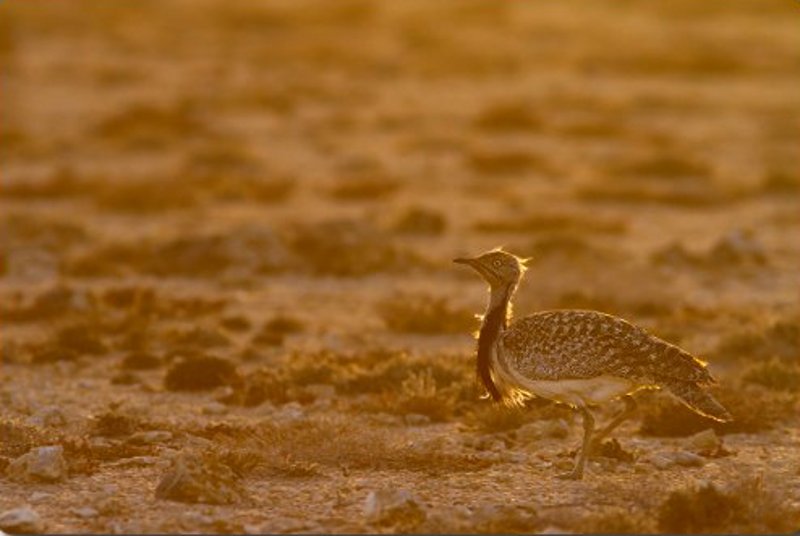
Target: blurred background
[[248, 210]]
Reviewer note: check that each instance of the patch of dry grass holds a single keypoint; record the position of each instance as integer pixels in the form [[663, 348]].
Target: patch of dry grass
[[420, 221], [568, 247], [781, 182], [17, 438], [60, 183], [115, 423], [275, 330], [304, 448], [418, 394], [9, 34], [747, 506], [138, 360], [56, 302], [19, 230], [688, 194], [780, 340], [668, 179], [405, 313], [200, 182], [754, 409], [146, 126], [549, 222], [775, 375], [626, 306], [200, 373], [504, 162], [432, 385], [512, 116], [249, 250], [490, 418], [595, 128], [347, 248], [142, 196], [262, 385], [359, 448], [614, 521], [364, 188], [669, 167]]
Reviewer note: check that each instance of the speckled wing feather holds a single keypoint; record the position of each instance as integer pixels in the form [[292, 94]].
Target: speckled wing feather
[[574, 344]]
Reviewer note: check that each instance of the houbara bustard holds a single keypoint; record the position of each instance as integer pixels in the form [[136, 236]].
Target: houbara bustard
[[580, 358]]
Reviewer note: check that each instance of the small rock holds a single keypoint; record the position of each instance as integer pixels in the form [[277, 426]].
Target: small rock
[[290, 412], [136, 461], [48, 416], [688, 459], [393, 507], [99, 443], [285, 525], [223, 393], [504, 518], [682, 458], [86, 512], [386, 418], [554, 428], [449, 519], [554, 530], [151, 437], [706, 442], [21, 521], [215, 408], [42, 464], [321, 391], [39, 496], [415, 419], [516, 457], [196, 479], [490, 456], [660, 461], [196, 519]]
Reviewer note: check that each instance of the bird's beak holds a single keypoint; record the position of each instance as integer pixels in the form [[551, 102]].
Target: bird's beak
[[465, 260]]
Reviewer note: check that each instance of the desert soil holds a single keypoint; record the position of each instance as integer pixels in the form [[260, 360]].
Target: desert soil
[[278, 188]]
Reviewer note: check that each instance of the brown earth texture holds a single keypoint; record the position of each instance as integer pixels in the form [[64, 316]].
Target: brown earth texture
[[226, 232]]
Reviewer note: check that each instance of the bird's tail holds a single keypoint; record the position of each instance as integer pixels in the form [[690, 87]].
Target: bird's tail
[[699, 400]]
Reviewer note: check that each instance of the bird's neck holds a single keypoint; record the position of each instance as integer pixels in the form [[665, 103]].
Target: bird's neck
[[500, 302], [495, 320]]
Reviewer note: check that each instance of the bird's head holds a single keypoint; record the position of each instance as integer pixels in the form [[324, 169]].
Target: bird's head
[[499, 268]]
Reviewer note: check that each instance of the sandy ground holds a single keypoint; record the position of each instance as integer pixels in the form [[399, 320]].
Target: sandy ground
[[280, 188]]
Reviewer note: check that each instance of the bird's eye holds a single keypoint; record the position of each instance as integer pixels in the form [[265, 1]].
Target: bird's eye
[[497, 263]]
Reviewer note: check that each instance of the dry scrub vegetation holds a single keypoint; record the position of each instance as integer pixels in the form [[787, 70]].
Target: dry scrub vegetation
[[226, 297]]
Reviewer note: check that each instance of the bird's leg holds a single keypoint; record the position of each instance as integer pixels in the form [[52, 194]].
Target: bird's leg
[[588, 428], [630, 408]]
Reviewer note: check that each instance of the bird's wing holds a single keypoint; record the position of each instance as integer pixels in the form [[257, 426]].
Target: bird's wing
[[571, 344]]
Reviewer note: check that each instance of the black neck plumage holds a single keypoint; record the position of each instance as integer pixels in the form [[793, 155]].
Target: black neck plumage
[[494, 322]]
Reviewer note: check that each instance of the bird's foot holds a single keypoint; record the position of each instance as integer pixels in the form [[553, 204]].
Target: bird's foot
[[575, 474]]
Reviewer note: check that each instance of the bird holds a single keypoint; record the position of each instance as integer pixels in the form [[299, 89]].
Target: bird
[[580, 358]]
